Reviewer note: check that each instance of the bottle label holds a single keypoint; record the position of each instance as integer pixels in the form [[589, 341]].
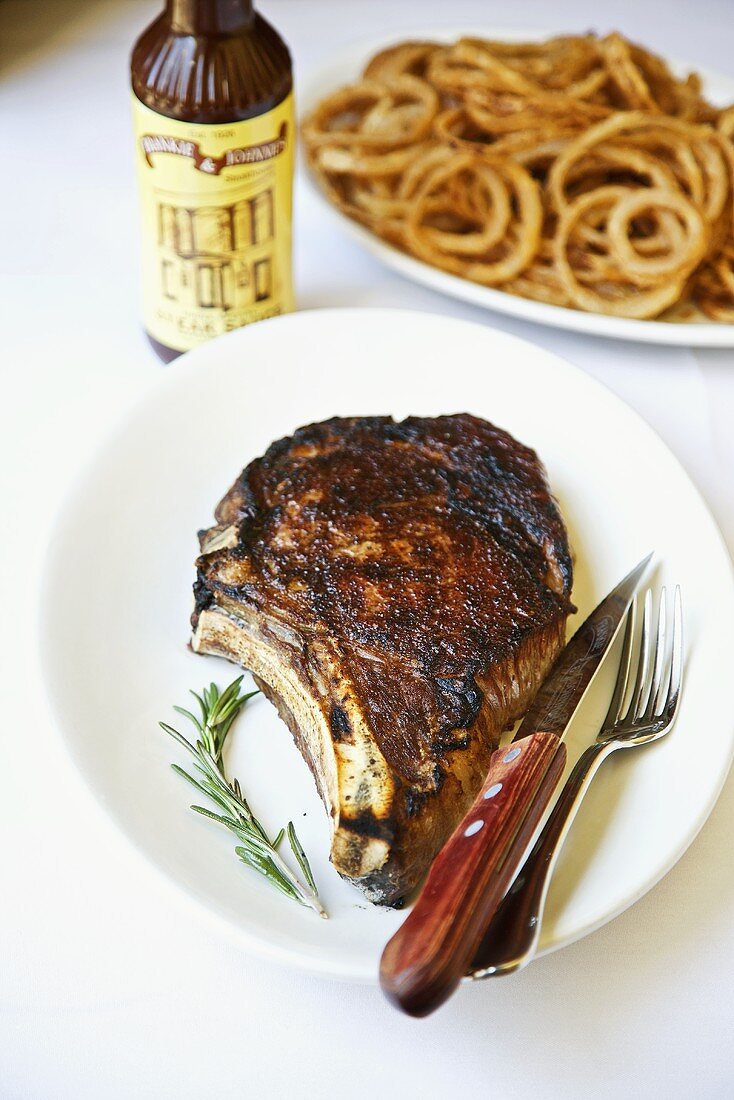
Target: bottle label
[[216, 208]]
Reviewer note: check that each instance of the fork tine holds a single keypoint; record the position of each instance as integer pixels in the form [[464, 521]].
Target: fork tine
[[676, 661], [643, 659], [648, 658], [661, 659], [623, 675]]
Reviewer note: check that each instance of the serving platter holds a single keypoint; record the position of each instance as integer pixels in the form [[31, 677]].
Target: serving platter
[[346, 66], [117, 598]]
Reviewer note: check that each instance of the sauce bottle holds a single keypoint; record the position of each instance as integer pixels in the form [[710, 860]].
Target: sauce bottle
[[214, 133]]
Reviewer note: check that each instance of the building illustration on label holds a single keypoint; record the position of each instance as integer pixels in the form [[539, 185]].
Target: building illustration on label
[[217, 257], [216, 208]]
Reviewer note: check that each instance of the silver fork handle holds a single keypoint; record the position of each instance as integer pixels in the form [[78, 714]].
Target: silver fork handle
[[512, 937]]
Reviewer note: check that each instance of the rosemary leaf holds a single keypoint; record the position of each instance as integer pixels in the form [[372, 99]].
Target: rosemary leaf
[[300, 855], [189, 778], [228, 821], [191, 717], [274, 877]]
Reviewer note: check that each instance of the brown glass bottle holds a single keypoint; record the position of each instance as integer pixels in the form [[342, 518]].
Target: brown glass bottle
[[210, 62]]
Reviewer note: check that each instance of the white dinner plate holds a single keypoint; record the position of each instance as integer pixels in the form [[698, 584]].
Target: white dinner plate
[[346, 67], [117, 599]]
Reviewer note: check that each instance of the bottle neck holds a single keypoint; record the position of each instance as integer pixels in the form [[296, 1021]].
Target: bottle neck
[[209, 16]]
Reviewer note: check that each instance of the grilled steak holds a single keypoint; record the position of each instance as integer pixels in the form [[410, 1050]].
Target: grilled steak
[[399, 591]]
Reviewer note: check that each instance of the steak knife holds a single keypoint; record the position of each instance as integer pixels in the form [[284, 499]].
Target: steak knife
[[425, 960]]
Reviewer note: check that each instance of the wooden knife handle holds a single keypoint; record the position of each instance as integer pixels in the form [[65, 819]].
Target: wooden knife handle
[[426, 958], [511, 938]]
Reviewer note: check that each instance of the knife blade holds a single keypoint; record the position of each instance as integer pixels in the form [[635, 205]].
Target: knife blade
[[425, 960], [563, 689]]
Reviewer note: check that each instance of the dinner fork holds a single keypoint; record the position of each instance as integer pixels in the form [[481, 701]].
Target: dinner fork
[[512, 937]]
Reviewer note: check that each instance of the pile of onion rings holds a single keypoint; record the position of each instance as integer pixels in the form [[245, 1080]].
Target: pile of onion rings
[[577, 171]]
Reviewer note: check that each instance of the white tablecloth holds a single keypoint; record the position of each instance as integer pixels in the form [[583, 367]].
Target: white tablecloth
[[108, 986]]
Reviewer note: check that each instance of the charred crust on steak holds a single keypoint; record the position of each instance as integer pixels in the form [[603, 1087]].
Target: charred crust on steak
[[414, 801], [339, 723], [413, 581], [466, 698], [367, 824], [450, 744], [203, 598]]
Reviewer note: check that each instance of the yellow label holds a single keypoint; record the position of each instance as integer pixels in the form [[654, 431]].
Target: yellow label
[[216, 208]]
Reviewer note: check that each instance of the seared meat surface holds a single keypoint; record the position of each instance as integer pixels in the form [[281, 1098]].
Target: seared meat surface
[[399, 591]]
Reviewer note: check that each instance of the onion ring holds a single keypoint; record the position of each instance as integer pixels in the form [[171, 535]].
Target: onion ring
[[578, 171]]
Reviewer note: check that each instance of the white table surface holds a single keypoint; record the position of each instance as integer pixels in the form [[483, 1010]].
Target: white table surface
[[109, 987]]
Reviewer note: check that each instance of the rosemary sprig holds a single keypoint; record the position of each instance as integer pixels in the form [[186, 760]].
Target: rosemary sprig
[[256, 850]]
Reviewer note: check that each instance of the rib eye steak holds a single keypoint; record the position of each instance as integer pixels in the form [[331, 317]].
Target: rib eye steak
[[399, 591]]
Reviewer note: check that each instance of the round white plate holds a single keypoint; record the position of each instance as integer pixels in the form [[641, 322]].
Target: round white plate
[[117, 599], [346, 67]]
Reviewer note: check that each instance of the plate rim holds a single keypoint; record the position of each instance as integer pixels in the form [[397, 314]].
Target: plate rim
[[703, 334], [188, 366]]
